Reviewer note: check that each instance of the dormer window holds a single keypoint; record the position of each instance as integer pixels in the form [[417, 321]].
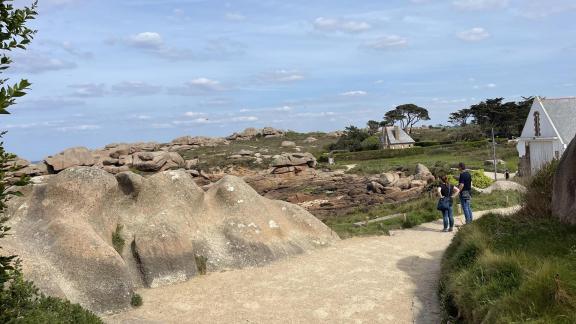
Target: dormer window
[[537, 124]]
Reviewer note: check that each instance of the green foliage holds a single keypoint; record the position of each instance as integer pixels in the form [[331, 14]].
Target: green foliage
[[467, 133], [117, 239], [201, 264], [511, 269], [538, 201], [408, 115], [136, 300], [370, 143], [379, 154], [480, 179], [490, 113], [351, 140]]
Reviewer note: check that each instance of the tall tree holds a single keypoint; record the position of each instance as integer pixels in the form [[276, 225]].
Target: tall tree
[[460, 117], [506, 118], [373, 126], [408, 115]]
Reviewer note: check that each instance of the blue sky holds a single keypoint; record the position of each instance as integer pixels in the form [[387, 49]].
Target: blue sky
[[150, 70]]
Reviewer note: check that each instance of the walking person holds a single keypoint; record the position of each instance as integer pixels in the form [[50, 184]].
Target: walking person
[[465, 187], [447, 192]]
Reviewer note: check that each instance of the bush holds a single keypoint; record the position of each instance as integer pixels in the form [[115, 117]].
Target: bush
[[136, 300], [480, 179], [538, 199], [370, 143], [377, 154]]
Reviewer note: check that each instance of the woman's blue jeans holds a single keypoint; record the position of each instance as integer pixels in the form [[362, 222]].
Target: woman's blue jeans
[[448, 215]]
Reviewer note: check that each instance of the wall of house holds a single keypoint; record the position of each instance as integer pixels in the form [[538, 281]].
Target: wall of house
[[543, 148]]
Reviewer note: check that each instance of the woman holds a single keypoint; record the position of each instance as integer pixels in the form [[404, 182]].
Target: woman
[[447, 191]]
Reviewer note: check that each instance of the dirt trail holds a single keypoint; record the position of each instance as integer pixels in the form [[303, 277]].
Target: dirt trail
[[385, 279]]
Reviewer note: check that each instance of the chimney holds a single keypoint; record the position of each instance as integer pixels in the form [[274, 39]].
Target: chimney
[[397, 132]]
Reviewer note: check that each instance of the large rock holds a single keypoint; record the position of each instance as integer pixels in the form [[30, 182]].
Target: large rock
[[564, 194], [268, 132], [200, 141], [76, 156], [423, 173], [157, 161], [245, 135], [503, 186], [288, 144], [294, 159], [63, 230]]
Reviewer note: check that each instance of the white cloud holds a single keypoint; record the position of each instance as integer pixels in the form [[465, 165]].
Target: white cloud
[[480, 4], [36, 62], [387, 42], [198, 86], [244, 118], [340, 25], [356, 93], [150, 40], [473, 35], [193, 114], [485, 86], [78, 128], [234, 16], [135, 88], [282, 76], [88, 90]]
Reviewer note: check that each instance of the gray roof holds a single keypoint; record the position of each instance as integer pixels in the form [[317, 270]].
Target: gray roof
[[562, 112], [404, 137]]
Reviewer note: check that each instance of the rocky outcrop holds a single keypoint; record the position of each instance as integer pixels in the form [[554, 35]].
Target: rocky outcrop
[[293, 163], [157, 161], [503, 186], [396, 186], [63, 228], [76, 156], [564, 193], [198, 141], [288, 144], [251, 133]]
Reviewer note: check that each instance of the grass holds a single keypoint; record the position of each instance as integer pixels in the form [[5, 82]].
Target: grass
[[417, 212], [511, 270], [473, 154], [117, 239]]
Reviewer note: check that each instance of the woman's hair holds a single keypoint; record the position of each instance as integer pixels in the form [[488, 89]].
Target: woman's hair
[[444, 178]]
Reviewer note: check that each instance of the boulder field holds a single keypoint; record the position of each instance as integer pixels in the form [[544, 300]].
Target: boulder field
[[166, 230]]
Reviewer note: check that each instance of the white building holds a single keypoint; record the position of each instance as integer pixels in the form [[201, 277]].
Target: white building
[[550, 127]]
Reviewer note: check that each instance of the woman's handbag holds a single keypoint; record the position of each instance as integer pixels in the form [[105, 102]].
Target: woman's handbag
[[444, 202]]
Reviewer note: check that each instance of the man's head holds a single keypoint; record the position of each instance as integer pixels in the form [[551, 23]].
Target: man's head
[[462, 166]]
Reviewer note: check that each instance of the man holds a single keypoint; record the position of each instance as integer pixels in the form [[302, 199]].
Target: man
[[465, 186]]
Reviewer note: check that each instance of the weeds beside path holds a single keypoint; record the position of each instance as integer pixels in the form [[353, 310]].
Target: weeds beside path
[[384, 279]]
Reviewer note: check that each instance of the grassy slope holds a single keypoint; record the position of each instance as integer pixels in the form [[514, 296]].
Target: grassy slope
[[503, 270], [417, 211], [473, 154]]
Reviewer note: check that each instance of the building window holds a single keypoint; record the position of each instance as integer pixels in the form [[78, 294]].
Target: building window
[[537, 124]]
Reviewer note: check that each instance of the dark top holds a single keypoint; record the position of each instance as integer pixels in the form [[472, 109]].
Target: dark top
[[466, 180], [445, 190]]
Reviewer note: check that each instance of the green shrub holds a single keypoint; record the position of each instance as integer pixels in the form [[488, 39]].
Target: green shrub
[[538, 199], [371, 143], [377, 154], [480, 179], [117, 239], [136, 300]]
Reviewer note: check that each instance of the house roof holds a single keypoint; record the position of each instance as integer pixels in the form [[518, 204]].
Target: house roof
[[404, 137], [562, 112]]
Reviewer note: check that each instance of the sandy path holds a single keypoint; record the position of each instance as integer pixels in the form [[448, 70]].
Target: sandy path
[[385, 279]]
